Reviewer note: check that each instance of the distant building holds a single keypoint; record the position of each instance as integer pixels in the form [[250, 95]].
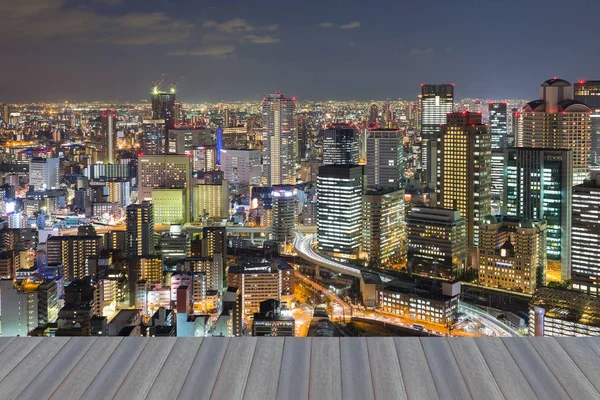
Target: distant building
[[241, 167], [210, 201], [140, 239], [73, 252], [340, 145], [272, 320], [385, 158], [588, 92], [280, 140], [498, 123], [435, 103], [284, 218], [437, 242], [44, 173], [512, 253]]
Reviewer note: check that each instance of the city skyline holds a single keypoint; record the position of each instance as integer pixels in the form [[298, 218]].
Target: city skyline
[[236, 50]]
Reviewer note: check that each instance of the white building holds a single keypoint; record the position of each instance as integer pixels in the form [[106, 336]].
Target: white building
[[241, 166], [44, 173], [19, 310], [280, 140]]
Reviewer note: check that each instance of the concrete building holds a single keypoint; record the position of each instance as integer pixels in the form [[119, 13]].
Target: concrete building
[[385, 158], [241, 167], [204, 158], [44, 173], [19, 309], [339, 210], [167, 205], [588, 92], [273, 321], [437, 242], [556, 121], [465, 170], [384, 227], [435, 103], [73, 252], [585, 239], [210, 201], [512, 253], [284, 217], [280, 140], [538, 185], [140, 240], [340, 145]]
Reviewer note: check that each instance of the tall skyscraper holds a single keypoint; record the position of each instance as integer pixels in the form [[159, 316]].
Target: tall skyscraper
[[109, 124], [384, 227], [588, 92], [585, 242], [436, 242], [373, 115], [163, 106], [153, 139], [498, 124], [140, 239], [465, 170], [385, 158], [280, 140], [512, 253], [556, 121], [284, 218], [436, 102], [340, 145], [538, 185], [339, 210]]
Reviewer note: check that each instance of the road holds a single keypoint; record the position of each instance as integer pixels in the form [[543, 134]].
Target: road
[[480, 316], [335, 299]]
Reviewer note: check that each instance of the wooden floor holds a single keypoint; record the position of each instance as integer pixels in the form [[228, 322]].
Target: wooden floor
[[299, 368]]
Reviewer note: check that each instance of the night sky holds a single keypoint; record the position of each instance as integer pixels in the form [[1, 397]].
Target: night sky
[[111, 50]]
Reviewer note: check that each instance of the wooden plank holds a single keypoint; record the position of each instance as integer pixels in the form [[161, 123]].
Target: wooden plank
[[584, 356], [356, 372], [385, 369], [295, 369], [108, 380], [5, 342], [175, 369], [84, 372], [325, 380], [201, 377], [263, 379], [448, 379], [541, 379], [564, 368], [232, 377], [16, 351], [473, 368], [140, 378], [418, 381], [28, 369], [47, 379], [505, 370]]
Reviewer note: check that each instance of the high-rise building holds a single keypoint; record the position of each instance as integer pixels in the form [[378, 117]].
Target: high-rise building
[[19, 309], [385, 158], [182, 140], [538, 185], [512, 253], [435, 102], [109, 125], [163, 106], [588, 92], [168, 208], [153, 139], [210, 201], [436, 242], [284, 217], [241, 167], [204, 158], [340, 145], [465, 170], [498, 118], [384, 227], [140, 239], [73, 252], [516, 128], [497, 179], [556, 121], [44, 173], [373, 115], [339, 210], [280, 140], [585, 241]]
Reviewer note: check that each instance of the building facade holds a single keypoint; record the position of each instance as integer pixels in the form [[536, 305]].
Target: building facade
[[385, 158], [280, 140], [340, 145]]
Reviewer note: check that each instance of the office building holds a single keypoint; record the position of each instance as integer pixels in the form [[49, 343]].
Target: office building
[[280, 140], [340, 145], [241, 167], [273, 320], [204, 158], [139, 238], [74, 319], [153, 140], [262, 281], [585, 241], [182, 140], [538, 186], [211, 267], [163, 106], [168, 208], [512, 253], [436, 242], [175, 245], [44, 173], [214, 240], [210, 201], [556, 121], [385, 158], [498, 124], [588, 92], [20, 307], [284, 217], [563, 313], [436, 102], [465, 170], [497, 179], [373, 114], [384, 234], [73, 252], [109, 130], [339, 210]]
